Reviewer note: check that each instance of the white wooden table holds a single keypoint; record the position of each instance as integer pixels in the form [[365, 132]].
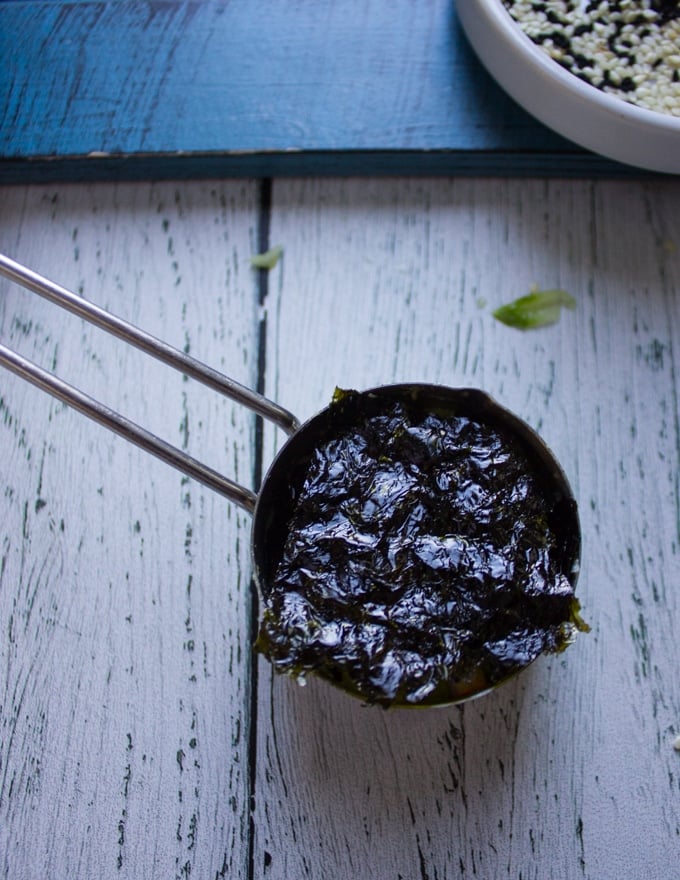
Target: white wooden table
[[140, 737]]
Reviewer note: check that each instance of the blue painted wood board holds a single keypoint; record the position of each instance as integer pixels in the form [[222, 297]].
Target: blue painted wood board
[[133, 89]]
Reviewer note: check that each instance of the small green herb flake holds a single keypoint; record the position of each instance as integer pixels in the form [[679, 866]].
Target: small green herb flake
[[268, 259], [537, 309]]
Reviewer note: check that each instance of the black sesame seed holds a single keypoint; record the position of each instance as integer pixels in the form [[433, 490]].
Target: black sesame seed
[[581, 61], [560, 40], [612, 59], [581, 29], [667, 9]]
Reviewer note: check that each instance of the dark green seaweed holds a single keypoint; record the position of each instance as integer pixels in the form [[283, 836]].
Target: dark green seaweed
[[426, 559]]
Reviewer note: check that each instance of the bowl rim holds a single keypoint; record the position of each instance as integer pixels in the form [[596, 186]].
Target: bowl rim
[[510, 29]]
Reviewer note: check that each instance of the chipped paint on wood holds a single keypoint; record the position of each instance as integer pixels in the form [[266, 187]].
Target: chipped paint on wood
[[139, 735]]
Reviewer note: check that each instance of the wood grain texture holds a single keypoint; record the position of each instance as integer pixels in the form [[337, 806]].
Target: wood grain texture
[[138, 735], [124, 599], [569, 770], [112, 89]]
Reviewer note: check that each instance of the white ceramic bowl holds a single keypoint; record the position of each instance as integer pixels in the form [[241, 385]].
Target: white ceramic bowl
[[591, 118]]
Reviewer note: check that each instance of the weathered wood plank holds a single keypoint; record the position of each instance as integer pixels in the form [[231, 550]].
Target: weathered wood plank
[[125, 695], [113, 89], [124, 594], [568, 771]]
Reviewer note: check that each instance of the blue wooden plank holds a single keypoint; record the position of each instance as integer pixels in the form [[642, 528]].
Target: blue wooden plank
[[141, 88]]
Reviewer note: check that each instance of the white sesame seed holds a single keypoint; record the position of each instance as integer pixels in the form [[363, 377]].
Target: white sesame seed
[[624, 48]]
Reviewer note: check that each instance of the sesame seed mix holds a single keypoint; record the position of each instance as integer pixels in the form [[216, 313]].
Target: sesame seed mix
[[629, 48]]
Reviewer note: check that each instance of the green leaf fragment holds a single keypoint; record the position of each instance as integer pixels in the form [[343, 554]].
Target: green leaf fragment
[[268, 259], [539, 308]]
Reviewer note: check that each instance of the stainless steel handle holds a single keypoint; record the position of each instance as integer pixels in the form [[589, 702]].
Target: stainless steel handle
[[157, 348]]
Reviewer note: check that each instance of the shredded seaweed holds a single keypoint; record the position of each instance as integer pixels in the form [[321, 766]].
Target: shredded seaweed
[[428, 557]]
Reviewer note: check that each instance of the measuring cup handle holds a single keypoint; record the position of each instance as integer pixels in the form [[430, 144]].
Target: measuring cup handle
[[117, 423], [175, 358]]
